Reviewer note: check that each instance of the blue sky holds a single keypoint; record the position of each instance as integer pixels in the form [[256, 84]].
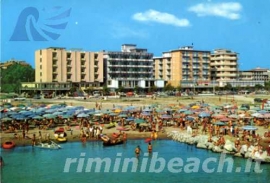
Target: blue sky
[[157, 25]]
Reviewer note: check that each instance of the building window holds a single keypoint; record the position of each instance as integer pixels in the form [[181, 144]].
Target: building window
[[40, 74], [40, 59], [40, 66], [40, 52]]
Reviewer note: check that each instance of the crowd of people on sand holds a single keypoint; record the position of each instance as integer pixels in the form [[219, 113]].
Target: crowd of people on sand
[[154, 121]]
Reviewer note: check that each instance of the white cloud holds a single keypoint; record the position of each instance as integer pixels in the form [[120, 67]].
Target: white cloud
[[230, 10], [160, 17]]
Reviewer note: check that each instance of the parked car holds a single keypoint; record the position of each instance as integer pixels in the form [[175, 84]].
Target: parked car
[[19, 99]]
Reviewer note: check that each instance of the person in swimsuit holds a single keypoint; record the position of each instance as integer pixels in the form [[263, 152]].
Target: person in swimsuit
[[137, 151], [150, 147]]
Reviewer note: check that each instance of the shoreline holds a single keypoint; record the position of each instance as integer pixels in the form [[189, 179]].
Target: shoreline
[[166, 134]]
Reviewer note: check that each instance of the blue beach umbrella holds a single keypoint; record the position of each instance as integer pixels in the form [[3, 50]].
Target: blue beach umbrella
[[251, 128], [82, 115], [204, 114]]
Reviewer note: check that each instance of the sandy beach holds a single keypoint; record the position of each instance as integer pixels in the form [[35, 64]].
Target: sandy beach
[[74, 133]]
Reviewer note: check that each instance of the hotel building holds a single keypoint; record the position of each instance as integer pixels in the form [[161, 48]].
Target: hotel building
[[129, 68], [184, 67], [58, 69], [224, 66]]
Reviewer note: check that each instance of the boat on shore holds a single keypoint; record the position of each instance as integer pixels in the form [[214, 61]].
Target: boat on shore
[[8, 145], [107, 141], [48, 145], [113, 142]]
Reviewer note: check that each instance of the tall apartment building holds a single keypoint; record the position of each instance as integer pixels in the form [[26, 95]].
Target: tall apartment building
[[60, 68], [183, 67], [224, 65], [131, 67]]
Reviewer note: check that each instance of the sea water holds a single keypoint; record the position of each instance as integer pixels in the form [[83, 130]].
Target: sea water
[[170, 161]]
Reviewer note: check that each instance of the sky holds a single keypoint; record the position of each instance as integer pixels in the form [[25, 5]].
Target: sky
[[242, 26]]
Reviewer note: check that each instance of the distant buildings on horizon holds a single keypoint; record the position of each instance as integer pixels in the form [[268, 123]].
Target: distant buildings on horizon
[[59, 69]]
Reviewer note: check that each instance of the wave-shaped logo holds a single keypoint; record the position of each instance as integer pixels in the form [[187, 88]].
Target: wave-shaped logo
[[35, 26]]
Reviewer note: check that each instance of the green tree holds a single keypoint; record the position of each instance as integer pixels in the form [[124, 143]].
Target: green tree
[[168, 87], [267, 85], [105, 90], [258, 87], [228, 86], [14, 75]]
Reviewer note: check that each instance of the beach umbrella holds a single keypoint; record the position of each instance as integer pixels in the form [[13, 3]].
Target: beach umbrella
[[130, 119], [182, 110], [234, 116], [146, 114], [6, 119], [224, 119], [165, 116], [262, 111], [143, 124], [190, 118], [267, 115], [251, 128], [147, 110], [219, 123], [122, 115], [195, 107], [82, 115], [256, 114], [139, 121], [177, 116], [66, 116], [218, 116], [188, 112], [37, 117], [204, 114], [57, 113], [112, 114], [49, 116], [117, 110], [252, 111], [243, 108]]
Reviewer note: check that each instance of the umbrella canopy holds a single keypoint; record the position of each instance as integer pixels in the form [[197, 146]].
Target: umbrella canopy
[[83, 115], [6, 119], [122, 115], [182, 110], [143, 124], [37, 117], [267, 115], [146, 114], [225, 119], [257, 114], [165, 116], [49, 116], [130, 119], [204, 114], [252, 128], [219, 123], [112, 114], [139, 121], [188, 112], [262, 111], [234, 116]]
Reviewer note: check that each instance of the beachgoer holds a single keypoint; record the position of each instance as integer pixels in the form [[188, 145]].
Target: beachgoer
[[124, 136], [1, 161], [137, 151], [34, 140], [149, 147]]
